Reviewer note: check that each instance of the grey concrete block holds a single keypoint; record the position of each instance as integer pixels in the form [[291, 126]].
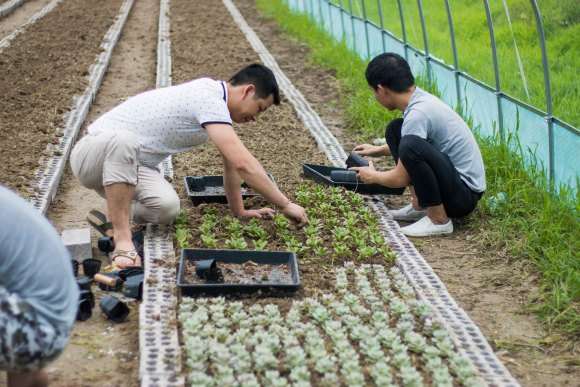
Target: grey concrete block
[[78, 243]]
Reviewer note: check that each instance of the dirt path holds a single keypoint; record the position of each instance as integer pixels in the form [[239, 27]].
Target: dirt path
[[101, 353], [488, 285], [20, 16]]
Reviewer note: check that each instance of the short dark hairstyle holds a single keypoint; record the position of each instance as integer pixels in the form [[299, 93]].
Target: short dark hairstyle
[[390, 70], [261, 77]]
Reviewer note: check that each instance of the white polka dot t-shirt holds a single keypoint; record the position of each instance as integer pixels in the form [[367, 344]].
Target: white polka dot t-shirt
[[168, 120]]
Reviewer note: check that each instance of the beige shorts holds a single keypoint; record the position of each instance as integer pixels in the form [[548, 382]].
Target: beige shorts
[[112, 157]]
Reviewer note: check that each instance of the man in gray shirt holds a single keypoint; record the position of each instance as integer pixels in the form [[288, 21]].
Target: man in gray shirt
[[38, 293], [435, 152]]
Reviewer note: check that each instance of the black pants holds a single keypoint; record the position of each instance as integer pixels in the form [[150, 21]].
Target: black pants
[[435, 179]]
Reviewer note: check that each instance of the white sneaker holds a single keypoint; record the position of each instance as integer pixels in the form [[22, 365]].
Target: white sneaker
[[408, 213], [425, 227]]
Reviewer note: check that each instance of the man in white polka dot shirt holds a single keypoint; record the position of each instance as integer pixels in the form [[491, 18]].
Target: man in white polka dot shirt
[[120, 156]]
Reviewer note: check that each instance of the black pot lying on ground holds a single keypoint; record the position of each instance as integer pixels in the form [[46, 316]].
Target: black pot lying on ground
[[91, 267], [114, 309], [133, 287]]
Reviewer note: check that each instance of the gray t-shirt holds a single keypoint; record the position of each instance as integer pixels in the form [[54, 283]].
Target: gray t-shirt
[[34, 264], [428, 117]]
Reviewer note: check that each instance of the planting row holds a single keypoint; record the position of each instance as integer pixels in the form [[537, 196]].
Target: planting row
[[370, 331], [340, 228]]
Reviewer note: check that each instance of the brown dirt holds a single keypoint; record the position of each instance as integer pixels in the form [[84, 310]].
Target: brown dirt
[[35, 96], [486, 283], [101, 353], [20, 16]]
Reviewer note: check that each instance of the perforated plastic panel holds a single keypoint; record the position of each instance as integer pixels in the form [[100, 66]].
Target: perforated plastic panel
[[9, 6], [160, 353]]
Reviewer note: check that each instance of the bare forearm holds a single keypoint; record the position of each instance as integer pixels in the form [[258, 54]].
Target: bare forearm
[[232, 182], [391, 179]]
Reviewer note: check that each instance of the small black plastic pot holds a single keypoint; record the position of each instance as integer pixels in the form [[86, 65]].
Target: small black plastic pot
[[87, 295], [129, 272], [343, 176], [207, 269], [84, 311], [356, 160], [197, 183], [134, 286], [75, 266], [114, 309], [91, 267], [106, 244], [84, 282]]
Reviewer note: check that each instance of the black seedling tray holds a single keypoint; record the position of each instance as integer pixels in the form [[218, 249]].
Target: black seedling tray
[[237, 257], [210, 189], [321, 174]]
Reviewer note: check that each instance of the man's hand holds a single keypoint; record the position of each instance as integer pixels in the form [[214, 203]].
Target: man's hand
[[369, 150], [265, 213], [366, 174], [295, 213]]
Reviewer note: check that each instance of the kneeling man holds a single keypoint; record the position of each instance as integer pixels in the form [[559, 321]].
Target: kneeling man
[[120, 156], [435, 152]]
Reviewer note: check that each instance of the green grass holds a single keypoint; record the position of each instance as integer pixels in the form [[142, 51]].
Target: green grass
[[561, 22], [533, 224]]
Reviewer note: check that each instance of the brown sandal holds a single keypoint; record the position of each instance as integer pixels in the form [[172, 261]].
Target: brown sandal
[[129, 254]]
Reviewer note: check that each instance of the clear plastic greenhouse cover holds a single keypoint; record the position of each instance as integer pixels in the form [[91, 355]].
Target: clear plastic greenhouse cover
[[545, 141]]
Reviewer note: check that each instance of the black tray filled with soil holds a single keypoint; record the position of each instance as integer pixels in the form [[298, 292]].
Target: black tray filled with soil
[[342, 177], [238, 272], [210, 189]]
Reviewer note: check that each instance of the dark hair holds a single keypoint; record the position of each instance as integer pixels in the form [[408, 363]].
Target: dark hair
[[261, 77], [390, 70]]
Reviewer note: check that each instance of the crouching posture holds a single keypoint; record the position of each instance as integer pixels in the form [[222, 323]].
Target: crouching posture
[[120, 156], [38, 293], [435, 152]]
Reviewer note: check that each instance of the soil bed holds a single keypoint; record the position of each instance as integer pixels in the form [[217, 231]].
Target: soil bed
[[40, 72]]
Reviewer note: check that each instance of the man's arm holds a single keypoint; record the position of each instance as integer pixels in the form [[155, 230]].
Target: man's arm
[[394, 178], [372, 150], [250, 170], [232, 182]]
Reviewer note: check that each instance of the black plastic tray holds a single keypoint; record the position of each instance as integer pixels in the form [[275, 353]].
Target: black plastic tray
[[214, 191], [237, 256], [321, 174]]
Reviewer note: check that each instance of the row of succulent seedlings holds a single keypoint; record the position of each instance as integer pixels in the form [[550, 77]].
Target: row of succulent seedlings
[[340, 227], [371, 331]]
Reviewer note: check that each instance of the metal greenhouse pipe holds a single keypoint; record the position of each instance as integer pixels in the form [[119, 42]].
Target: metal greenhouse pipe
[[366, 21], [547, 88], [454, 50], [382, 24], [495, 68], [425, 40], [403, 29]]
